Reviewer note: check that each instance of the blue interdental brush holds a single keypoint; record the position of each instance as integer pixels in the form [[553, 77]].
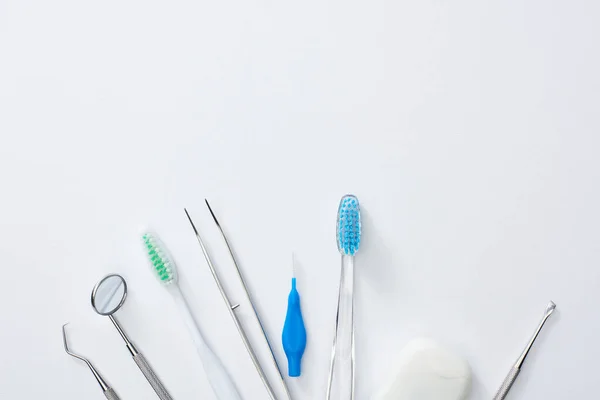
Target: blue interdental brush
[[294, 332]]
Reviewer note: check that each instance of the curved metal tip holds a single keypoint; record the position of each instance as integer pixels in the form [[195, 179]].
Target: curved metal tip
[[99, 379], [69, 352], [64, 333], [550, 308]]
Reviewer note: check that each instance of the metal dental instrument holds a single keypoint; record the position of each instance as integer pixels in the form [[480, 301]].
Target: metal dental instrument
[[106, 389], [231, 309], [108, 297], [516, 369], [249, 297]]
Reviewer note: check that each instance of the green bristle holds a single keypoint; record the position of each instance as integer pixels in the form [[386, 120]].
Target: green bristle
[[161, 263]]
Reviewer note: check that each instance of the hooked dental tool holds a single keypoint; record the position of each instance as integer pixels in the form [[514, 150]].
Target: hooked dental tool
[[516, 369], [106, 389]]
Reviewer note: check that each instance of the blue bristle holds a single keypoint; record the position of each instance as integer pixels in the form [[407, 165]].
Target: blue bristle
[[348, 225]]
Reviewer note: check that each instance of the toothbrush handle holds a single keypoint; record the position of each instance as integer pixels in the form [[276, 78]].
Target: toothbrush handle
[[507, 384], [156, 384], [111, 394], [220, 381], [341, 373]]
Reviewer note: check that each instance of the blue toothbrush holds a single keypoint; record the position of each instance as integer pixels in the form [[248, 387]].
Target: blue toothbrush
[[341, 373], [294, 332]]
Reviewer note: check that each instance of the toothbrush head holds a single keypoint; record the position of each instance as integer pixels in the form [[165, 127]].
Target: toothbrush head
[[348, 225], [162, 264]]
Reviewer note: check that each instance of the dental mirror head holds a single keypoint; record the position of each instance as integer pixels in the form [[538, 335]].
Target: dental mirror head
[[109, 294]]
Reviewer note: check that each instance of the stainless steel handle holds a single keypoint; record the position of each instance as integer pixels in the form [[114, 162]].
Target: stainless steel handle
[[507, 384], [516, 369], [111, 394], [156, 384]]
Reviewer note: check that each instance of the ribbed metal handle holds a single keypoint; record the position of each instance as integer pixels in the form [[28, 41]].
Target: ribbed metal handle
[[156, 384], [507, 384], [111, 394]]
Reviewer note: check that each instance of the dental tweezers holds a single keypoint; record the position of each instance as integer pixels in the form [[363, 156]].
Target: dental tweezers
[[231, 307]]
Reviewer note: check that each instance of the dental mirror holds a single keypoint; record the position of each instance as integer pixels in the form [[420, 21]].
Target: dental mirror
[[109, 294], [107, 297]]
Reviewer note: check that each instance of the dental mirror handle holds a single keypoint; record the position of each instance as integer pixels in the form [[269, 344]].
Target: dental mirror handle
[[128, 343], [151, 377], [111, 395], [142, 364]]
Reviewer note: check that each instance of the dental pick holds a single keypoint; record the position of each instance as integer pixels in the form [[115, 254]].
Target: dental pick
[[516, 369], [106, 389]]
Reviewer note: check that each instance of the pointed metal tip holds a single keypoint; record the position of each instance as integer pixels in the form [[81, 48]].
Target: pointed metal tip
[[64, 331], [212, 213], [191, 222]]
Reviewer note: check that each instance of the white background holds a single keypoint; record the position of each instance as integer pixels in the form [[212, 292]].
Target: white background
[[469, 130]]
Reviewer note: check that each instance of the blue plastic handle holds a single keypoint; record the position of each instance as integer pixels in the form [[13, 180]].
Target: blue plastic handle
[[294, 333]]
